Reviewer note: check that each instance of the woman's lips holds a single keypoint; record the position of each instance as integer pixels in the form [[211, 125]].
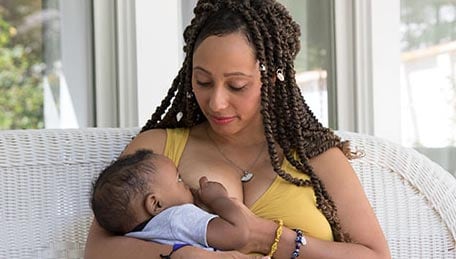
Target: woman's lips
[[222, 120]]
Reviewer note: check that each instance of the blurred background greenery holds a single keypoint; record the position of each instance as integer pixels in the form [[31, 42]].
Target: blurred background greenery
[[21, 83]]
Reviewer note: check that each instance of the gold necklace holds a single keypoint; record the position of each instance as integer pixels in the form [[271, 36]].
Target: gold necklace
[[247, 175]]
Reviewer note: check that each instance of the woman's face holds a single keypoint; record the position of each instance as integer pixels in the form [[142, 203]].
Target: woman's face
[[226, 82]]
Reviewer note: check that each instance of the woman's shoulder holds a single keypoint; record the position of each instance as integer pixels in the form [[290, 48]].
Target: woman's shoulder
[[330, 156], [331, 165], [154, 139], [335, 171]]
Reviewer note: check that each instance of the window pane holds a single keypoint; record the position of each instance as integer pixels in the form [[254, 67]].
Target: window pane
[[45, 64], [428, 83], [314, 64]]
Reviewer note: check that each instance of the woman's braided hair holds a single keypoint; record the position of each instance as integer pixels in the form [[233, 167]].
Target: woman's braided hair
[[287, 119]]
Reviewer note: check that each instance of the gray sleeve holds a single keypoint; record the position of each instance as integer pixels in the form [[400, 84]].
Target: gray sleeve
[[189, 224], [179, 224]]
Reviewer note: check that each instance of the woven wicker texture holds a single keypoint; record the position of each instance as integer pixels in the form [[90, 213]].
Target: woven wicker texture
[[413, 198], [45, 182], [46, 175]]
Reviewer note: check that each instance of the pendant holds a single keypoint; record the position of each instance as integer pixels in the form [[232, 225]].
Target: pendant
[[246, 177]]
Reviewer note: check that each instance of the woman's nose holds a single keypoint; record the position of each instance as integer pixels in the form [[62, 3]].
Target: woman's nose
[[218, 99]]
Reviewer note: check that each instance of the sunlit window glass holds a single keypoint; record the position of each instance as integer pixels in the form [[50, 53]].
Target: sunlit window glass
[[428, 83], [21, 68], [45, 64], [314, 64]]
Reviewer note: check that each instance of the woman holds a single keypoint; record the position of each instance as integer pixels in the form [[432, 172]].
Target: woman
[[235, 114]]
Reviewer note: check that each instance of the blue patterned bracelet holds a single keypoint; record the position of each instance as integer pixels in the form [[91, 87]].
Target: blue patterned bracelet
[[300, 241]]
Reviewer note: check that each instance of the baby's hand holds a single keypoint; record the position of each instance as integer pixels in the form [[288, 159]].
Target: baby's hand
[[210, 191]]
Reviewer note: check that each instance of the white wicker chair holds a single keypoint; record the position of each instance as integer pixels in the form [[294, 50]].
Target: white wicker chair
[[46, 175], [413, 197], [45, 183]]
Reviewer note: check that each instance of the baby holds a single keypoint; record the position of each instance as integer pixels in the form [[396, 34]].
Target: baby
[[142, 196]]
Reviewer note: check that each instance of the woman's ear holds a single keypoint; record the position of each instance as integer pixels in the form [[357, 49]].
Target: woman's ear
[[152, 204]]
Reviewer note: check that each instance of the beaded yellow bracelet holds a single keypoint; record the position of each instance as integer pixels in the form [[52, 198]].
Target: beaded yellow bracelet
[[277, 237]]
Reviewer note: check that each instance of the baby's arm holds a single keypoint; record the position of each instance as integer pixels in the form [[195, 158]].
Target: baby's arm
[[230, 230]]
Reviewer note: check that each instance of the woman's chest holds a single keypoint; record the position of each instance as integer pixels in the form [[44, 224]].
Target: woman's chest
[[296, 206], [196, 163]]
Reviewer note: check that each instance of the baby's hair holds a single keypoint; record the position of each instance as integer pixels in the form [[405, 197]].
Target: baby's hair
[[113, 192], [287, 119]]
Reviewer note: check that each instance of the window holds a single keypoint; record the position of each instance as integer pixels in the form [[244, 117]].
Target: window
[[45, 64], [428, 78], [404, 50], [315, 67]]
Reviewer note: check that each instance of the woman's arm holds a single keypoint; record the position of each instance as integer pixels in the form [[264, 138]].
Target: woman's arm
[[102, 244]]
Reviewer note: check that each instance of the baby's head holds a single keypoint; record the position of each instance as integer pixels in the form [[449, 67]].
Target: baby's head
[[135, 188]]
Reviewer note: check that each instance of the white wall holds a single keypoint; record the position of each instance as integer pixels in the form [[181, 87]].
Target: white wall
[[158, 44], [386, 69], [368, 77]]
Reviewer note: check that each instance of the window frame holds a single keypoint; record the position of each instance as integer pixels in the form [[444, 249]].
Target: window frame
[[368, 67]]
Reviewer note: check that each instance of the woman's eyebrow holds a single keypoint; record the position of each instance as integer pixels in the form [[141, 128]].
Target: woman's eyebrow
[[225, 74], [202, 69], [236, 74]]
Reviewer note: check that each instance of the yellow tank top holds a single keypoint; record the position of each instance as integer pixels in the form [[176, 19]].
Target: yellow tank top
[[296, 206]]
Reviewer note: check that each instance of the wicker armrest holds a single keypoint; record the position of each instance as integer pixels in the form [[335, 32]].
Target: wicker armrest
[[413, 197], [45, 182]]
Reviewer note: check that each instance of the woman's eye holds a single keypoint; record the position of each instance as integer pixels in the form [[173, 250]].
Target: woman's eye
[[203, 83], [237, 87]]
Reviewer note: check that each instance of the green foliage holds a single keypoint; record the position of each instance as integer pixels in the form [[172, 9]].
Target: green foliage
[[427, 23], [21, 89]]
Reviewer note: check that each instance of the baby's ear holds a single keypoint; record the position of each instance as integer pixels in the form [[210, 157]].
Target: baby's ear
[[152, 204]]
